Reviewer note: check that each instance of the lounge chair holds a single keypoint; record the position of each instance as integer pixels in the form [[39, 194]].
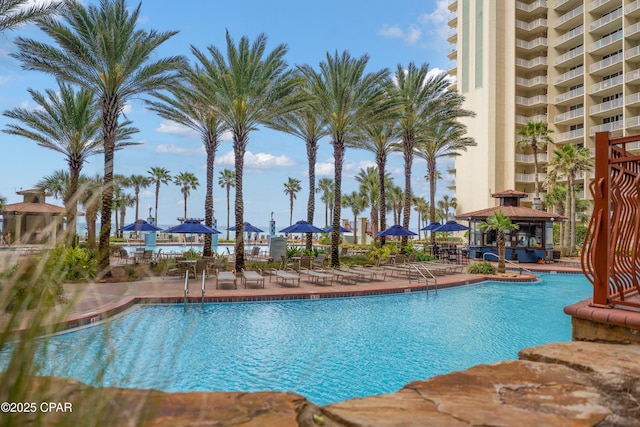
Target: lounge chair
[[226, 276], [343, 276], [371, 272], [252, 276], [286, 276], [318, 278]]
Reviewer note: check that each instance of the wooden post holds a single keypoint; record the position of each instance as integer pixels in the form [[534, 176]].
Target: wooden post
[[602, 207]]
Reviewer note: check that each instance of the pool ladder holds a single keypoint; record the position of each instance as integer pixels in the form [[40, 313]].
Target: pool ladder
[[419, 268], [518, 266], [186, 288]]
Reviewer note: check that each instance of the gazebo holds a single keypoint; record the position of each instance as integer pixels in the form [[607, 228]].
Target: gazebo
[[33, 220], [532, 241]]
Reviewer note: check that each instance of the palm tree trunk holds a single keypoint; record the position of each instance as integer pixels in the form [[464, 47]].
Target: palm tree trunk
[[355, 229], [92, 216], [228, 208], [572, 216], [383, 197], [291, 209], [338, 155], [107, 197], [408, 161], [239, 147], [208, 199], [157, 198], [71, 201], [431, 170], [536, 181], [567, 225], [137, 200], [312, 148], [501, 252]]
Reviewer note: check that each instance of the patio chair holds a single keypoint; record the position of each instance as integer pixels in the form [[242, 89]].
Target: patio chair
[[124, 256], [320, 261], [284, 277], [201, 267], [252, 276], [255, 254], [318, 278], [226, 276], [304, 263], [285, 263]]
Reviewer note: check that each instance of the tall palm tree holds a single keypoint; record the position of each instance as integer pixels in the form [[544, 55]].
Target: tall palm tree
[[308, 126], [568, 161], [500, 223], [14, 13], [119, 198], [370, 186], [378, 139], [291, 188], [347, 99], [447, 203], [444, 139], [126, 200], [396, 199], [358, 202], [248, 88], [69, 123], [100, 49], [189, 106], [90, 191], [226, 180], [421, 206], [159, 176], [138, 182], [325, 188], [187, 182], [536, 135]]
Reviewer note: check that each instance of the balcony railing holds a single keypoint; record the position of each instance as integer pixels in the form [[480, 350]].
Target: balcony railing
[[632, 7], [633, 122], [607, 127], [539, 99], [531, 6], [632, 99], [570, 55], [568, 136], [633, 52], [606, 84], [633, 75], [531, 63], [572, 114], [540, 41], [597, 3], [523, 120], [569, 15], [529, 177], [569, 35], [528, 26], [574, 93], [607, 62], [607, 106], [605, 41], [534, 81], [606, 19], [570, 74], [632, 29], [528, 158]]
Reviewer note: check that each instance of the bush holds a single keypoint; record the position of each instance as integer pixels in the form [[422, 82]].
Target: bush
[[481, 267], [72, 263], [30, 286], [192, 254]]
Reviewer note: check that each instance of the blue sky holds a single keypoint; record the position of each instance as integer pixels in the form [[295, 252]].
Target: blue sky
[[391, 33]]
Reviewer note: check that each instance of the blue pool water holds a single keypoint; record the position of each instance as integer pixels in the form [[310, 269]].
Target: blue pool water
[[327, 350]]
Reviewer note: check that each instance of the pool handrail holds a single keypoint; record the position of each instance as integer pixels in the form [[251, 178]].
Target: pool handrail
[[418, 268], [518, 266]]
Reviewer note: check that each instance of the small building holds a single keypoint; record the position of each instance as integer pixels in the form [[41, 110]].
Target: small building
[[33, 220], [532, 241]]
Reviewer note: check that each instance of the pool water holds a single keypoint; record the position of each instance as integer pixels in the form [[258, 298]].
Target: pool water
[[327, 350]]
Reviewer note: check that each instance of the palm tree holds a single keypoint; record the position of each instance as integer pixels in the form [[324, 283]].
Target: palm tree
[[347, 99], [325, 187], [138, 182], [187, 182], [226, 180], [378, 139], [100, 49], [444, 139], [15, 13], [119, 184], [69, 123], [358, 202], [536, 135], [309, 127], [248, 88], [90, 190], [159, 175], [421, 206], [291, 187], [396, 198], [370, 186], [568, 161], [447, 203], [126, 200], [500, 223]]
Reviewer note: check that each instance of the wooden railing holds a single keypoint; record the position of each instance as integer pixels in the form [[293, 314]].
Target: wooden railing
[[611, 259]]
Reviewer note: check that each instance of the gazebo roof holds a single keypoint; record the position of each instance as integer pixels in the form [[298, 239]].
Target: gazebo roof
[[510, 193], [515, 213], [34, 208]]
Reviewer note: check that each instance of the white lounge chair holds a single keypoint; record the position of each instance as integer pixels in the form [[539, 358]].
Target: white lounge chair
[[226, 276], [284, 277], [318, 278], [252, 276]]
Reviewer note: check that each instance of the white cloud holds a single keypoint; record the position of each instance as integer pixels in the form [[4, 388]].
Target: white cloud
[[431, 27], [257, 161], [127, 108], [411, 36], [173, 128], [325, 168], [179, 150]]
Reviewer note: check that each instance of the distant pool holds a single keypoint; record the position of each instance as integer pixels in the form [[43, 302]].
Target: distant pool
[[328, 350]]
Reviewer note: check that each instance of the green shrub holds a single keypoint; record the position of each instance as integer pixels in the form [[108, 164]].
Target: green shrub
[[481, 267], [31, 285], [292, 251], [324, 239], [192, 254], [72, 263]]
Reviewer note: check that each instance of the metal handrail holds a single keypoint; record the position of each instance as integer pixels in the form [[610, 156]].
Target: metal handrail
[[518, 266], [186, 288], [203, 287], [418, 269]]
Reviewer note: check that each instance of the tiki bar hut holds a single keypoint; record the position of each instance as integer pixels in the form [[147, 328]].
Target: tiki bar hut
[[531, 242], [33, 220]]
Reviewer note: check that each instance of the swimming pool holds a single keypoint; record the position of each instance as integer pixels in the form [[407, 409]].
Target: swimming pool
[[327, 350]]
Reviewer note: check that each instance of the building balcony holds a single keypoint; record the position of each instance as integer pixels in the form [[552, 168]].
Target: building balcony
[[633, 76], [633, 9], [539, 43], [607, 127], [607, 86], [453, 19], [564, 5], [607, 65], [566, 118], [538, 81], [570, 19], [538, 24], [453, 53], [523, 120], [633, 99], [570, 38], [582, 175], [607, 23], [601, 6], [569, 96], [452, 36], [529, 177], [632, 32], [534, 101], [573, 57], [453, 5], [528, 158], [539, 6], [633, 54], [570, 77], [633, 122], [453, 68], [570, 136], [537, 63], [609, 42], [608, 108]]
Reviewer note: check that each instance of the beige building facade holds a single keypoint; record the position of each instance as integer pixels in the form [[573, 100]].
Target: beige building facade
[[574, 64]]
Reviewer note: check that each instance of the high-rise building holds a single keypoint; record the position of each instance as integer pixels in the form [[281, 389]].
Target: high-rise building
[[574, 64]]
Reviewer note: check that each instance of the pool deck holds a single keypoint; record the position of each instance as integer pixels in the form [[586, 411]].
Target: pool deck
[[96, 302]]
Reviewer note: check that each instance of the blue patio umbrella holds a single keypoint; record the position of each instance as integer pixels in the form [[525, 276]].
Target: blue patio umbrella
[[450, 226], [396, 230], [329, 229], [192, 226], [247, 228], [302, 227], [431, 226], [140, 225]]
